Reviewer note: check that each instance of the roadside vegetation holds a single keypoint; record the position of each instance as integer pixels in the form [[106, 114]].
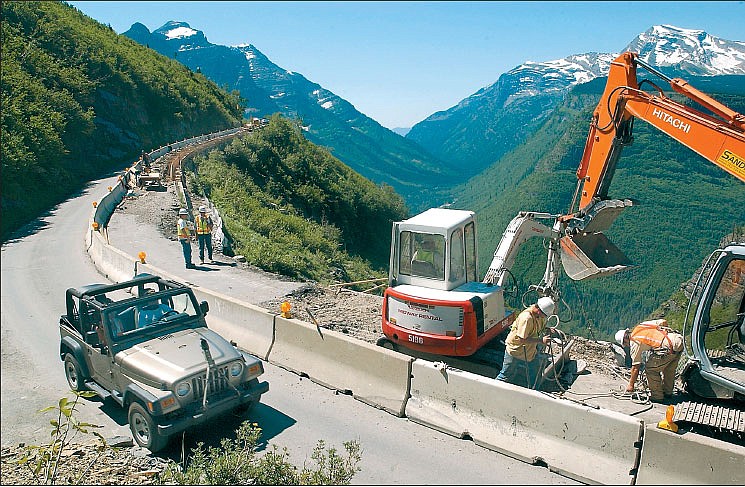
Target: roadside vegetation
[[238, 461]]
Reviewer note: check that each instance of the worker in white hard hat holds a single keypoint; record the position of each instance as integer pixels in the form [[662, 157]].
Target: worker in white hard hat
[[184, 236], [204, 233], [521, 363], [664, 345]]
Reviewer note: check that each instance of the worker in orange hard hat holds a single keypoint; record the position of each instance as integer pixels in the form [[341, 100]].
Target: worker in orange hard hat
[[664, 345], [521, 364]]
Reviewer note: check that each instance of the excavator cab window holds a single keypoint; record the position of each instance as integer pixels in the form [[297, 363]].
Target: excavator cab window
[[725, 314], [457, 256], [470, 247], [422, 255]]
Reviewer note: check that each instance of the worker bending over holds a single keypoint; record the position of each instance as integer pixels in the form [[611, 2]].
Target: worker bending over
[[520, 359], [665, 346]]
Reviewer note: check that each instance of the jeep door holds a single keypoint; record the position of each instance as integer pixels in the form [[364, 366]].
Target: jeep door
[[98, 355]]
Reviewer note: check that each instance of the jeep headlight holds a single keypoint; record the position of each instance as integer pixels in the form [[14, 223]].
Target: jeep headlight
[[183, 389], [235, 369]]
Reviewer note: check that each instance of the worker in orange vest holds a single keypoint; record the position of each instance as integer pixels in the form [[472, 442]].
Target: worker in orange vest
[[664, 345]]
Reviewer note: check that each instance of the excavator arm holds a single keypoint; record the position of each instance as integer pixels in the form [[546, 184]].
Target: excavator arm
[[523, 227], [719, 137]]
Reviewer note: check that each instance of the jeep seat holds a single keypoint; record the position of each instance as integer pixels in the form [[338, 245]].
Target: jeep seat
[[124, 321]]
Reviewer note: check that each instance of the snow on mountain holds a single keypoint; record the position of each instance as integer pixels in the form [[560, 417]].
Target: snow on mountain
[[490, 122], [686, 51], [691, 51], [180, 33]]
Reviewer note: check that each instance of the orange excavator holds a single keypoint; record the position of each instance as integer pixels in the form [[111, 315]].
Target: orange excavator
[[717, 134], [435, 305]]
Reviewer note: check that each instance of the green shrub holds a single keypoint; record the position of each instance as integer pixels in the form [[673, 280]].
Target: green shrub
[[292, 208], [236, 462], [44, 460]]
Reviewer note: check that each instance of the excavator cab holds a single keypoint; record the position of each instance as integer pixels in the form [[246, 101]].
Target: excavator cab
[[434, 303], [435, 249], [714, 328]]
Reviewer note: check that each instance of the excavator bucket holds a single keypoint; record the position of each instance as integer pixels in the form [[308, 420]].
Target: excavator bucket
[[586, 252], [588, 255]]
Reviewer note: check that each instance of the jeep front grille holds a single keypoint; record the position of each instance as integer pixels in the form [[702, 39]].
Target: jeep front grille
[[216, 383]]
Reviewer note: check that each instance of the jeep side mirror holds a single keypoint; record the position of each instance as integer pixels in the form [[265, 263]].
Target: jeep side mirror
[[204, 306]]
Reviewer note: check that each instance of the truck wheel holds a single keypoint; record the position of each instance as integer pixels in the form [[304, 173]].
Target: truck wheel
[[73, 374], [144, 430]]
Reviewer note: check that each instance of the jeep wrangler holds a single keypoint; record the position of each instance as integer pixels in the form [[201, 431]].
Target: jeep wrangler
[[144, 343]]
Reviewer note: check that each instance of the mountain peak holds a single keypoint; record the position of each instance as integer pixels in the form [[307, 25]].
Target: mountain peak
[[182, 33], [690, 51]]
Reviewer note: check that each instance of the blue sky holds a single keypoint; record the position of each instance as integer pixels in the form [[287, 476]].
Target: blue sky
[[399, 62]]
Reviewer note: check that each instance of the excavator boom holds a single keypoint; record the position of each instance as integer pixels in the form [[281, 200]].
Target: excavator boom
[[719, 139], [717, 134]]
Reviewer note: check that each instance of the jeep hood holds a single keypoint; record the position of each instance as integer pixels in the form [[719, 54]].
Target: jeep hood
[[170, 358]]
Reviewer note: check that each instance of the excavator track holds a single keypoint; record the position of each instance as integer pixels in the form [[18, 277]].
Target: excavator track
[[726, 419]]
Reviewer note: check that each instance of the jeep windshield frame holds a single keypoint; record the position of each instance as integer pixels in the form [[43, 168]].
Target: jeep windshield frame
[[139, 319]]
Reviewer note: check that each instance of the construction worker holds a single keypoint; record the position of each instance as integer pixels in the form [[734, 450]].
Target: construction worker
[[145, 161], [521, 363], [204, 233], [184, 236], [664, 345]]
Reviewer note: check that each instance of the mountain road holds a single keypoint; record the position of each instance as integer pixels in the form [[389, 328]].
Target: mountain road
[[48, 257]]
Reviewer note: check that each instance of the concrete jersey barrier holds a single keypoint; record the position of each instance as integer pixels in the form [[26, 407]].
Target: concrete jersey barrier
[[249, 326], [672, 459], [589, 445], [374, 375]]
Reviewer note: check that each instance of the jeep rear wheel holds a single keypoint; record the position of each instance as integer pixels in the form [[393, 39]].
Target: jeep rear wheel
[[144, 429], [73, 374]]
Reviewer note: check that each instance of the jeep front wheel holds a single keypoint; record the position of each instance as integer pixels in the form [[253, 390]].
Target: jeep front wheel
[[73, 374], [144, 430]]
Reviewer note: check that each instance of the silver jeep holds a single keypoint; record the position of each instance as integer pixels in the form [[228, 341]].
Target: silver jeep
[[144, 343]]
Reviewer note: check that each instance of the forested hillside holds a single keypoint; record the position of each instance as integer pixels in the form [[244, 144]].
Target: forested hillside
[[328, 120], [684, 204], [294, 209], [79, 99]]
